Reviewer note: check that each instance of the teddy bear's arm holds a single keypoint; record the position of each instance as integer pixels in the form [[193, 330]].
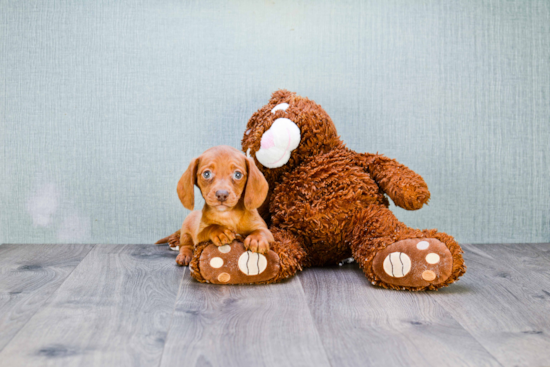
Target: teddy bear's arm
[[406, 188]]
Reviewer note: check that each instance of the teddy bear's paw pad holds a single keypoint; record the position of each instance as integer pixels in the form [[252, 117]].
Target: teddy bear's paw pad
[[233, 264], [418, 262]]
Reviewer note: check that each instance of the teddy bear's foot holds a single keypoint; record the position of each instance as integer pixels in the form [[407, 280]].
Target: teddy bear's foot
[[420, 263], [233, 264]]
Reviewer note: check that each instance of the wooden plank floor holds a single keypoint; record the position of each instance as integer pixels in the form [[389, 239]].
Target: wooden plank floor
[[129, 305], [28, 277]]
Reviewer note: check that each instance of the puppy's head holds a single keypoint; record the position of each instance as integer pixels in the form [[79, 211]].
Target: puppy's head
[[223, 174]]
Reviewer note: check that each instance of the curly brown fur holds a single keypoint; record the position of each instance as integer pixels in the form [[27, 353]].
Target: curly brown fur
[[293, 257], [332, 199], [194, 264], [406, 188]]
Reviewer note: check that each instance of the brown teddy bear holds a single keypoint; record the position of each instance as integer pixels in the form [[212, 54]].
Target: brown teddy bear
[[327, 203]]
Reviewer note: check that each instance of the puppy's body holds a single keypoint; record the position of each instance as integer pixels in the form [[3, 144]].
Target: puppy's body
[[233, 188]]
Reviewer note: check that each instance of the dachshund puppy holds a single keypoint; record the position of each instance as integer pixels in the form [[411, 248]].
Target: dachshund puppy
[[233, 188]]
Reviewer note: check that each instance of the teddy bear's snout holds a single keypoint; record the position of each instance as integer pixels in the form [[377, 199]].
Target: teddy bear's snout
[[278, 142]]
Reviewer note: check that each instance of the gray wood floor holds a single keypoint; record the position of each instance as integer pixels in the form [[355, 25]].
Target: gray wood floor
[[129, 305]]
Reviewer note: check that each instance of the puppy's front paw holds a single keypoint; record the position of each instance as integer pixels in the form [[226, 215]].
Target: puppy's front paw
[[256, 243], [184, 257], [222, 236]]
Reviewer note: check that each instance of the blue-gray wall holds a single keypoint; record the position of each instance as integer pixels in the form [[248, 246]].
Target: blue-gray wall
[[103, 104]]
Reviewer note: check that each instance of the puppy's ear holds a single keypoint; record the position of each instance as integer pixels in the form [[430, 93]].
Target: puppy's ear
[[256, 186], [186, 185]]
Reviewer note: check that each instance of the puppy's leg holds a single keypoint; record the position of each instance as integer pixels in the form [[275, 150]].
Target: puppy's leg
[[186, 244], [186, 250], [173, 240]]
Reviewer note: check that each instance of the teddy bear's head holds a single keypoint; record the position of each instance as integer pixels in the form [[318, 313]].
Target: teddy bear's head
[[286, 131]]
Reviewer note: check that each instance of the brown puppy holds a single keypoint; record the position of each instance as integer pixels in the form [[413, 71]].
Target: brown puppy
[[222, 174]]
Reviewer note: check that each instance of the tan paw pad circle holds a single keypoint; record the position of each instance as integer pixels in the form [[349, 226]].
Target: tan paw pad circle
[[224, 249], [252, 263], [216, 262], [397, 264], [432, 258], [428, 275], [224, 277]]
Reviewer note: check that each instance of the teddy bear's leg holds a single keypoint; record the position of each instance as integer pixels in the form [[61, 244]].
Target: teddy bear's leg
[[395, 256], [292, 255], [233, 264]]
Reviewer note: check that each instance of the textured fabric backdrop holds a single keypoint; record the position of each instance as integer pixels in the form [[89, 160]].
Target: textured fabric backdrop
[[104, 103]]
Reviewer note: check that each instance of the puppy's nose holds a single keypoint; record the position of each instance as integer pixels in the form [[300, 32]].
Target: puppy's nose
[[222, 195]]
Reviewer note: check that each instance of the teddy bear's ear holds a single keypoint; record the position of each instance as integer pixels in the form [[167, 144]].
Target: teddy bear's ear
[[282, 95]]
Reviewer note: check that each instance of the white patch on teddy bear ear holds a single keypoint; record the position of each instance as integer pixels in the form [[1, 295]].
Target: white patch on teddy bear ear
[[280, 106], [278, 142]]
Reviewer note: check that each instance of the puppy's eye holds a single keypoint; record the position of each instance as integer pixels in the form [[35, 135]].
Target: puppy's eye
[[237, 175], [207, 174]]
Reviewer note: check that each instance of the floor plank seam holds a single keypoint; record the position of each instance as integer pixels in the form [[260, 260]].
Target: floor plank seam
[[47, 299], [186, 272], [434, 296], [313, 320], [466, 330]]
